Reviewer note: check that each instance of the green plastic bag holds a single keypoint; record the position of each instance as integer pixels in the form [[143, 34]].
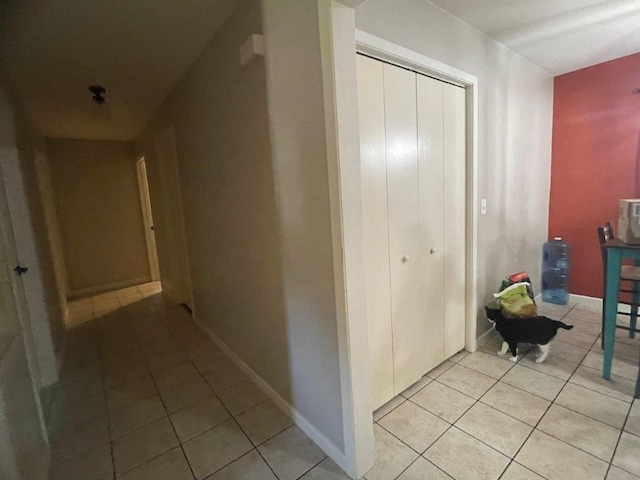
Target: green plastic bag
[[516, 302]]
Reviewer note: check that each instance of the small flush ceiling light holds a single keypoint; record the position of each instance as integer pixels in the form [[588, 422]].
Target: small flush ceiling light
[[98, 93]]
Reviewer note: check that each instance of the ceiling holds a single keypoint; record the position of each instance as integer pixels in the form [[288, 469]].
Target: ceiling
[[559, 36], [139, 49], [136, 49]]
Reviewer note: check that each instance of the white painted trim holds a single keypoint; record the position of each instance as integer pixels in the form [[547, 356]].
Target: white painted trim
[[595, 303], [392, 53], [337, 40], [312, 432], [397, 55], [147, 218], [591, 302], [108, 287], [484, 338]]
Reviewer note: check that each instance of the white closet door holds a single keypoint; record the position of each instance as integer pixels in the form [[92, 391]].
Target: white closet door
[[454, 217], [412, 133], [431, 173], [408, 306], [375, 226]]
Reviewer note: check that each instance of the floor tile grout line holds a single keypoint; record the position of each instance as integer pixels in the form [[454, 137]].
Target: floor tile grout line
[[622, 430], [553, 402], [511, 459], [533, 430], [109, 428], [479, 400], [168, 417], [175, 432], [231, 417], [566, 381], [108, 417]]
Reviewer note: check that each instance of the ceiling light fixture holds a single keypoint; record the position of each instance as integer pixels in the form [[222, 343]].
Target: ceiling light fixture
[[98, 93]]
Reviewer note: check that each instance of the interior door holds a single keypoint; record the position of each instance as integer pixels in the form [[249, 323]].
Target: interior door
[[147, 219], [23, 437], [40, 337], [176, 278]]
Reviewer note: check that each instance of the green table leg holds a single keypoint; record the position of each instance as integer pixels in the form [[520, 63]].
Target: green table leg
[[614, 260]]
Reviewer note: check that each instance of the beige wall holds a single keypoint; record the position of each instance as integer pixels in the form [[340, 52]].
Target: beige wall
[[96, 192], [299, 149], [219, 117]]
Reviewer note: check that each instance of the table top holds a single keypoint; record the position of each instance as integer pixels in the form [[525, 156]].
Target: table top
[[616, 243]]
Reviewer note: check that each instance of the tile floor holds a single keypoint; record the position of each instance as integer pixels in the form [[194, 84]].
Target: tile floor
[[146, 395]]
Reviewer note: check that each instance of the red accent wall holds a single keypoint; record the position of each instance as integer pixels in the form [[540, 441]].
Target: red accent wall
[[595, 159]]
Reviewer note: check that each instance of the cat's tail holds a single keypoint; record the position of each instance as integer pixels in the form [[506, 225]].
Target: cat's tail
[[563, 325]]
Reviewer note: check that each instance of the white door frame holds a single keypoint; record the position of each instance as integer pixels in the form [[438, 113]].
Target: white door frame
[[391, 53], [339, 42], [166, 144], [147, 218]]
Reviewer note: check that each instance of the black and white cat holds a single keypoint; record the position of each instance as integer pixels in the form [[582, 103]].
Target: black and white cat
[[535, 330]]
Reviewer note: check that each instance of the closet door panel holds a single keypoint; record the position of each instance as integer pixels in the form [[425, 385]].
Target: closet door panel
[[375, 226], [430, 178], [455, 217], [407, 294]]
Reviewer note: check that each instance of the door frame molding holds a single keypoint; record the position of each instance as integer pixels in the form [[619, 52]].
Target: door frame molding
[[389, 52], [339, 43], [147, 218]]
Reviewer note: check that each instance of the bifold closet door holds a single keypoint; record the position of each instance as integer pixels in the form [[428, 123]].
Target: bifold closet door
[[430, 115], [375, 226], [412, 133], [406, 252]]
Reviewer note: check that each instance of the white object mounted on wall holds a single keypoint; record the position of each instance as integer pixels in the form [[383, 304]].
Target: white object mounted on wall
[[251, 49]]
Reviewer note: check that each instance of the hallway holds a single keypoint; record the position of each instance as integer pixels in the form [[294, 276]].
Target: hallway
[[145, 395]]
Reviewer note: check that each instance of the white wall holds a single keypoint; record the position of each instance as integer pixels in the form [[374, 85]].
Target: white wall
[[514, 132]]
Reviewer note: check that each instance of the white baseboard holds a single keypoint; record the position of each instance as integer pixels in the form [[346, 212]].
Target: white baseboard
[[309, 429], [592, 303], [108, 287], [482, 339]]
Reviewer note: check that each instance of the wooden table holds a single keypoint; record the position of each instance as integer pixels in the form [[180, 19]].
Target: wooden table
[[616, 250]]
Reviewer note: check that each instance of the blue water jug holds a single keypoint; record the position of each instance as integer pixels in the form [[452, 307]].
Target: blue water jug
[[556, 268]]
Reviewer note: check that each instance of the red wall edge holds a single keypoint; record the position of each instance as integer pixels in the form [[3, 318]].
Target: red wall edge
[[595, 159]]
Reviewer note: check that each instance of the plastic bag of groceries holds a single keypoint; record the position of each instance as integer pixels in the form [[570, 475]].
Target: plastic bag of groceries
[[515, 301]]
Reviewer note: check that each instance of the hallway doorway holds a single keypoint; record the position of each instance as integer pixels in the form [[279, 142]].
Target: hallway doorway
[[108, 303], [147, 218]]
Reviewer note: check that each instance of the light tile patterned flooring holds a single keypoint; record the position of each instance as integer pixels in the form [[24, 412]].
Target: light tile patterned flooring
[[146, 395]]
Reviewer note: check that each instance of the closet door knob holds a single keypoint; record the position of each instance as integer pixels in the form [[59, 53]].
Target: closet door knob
[[432, 251], [405, 259]]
